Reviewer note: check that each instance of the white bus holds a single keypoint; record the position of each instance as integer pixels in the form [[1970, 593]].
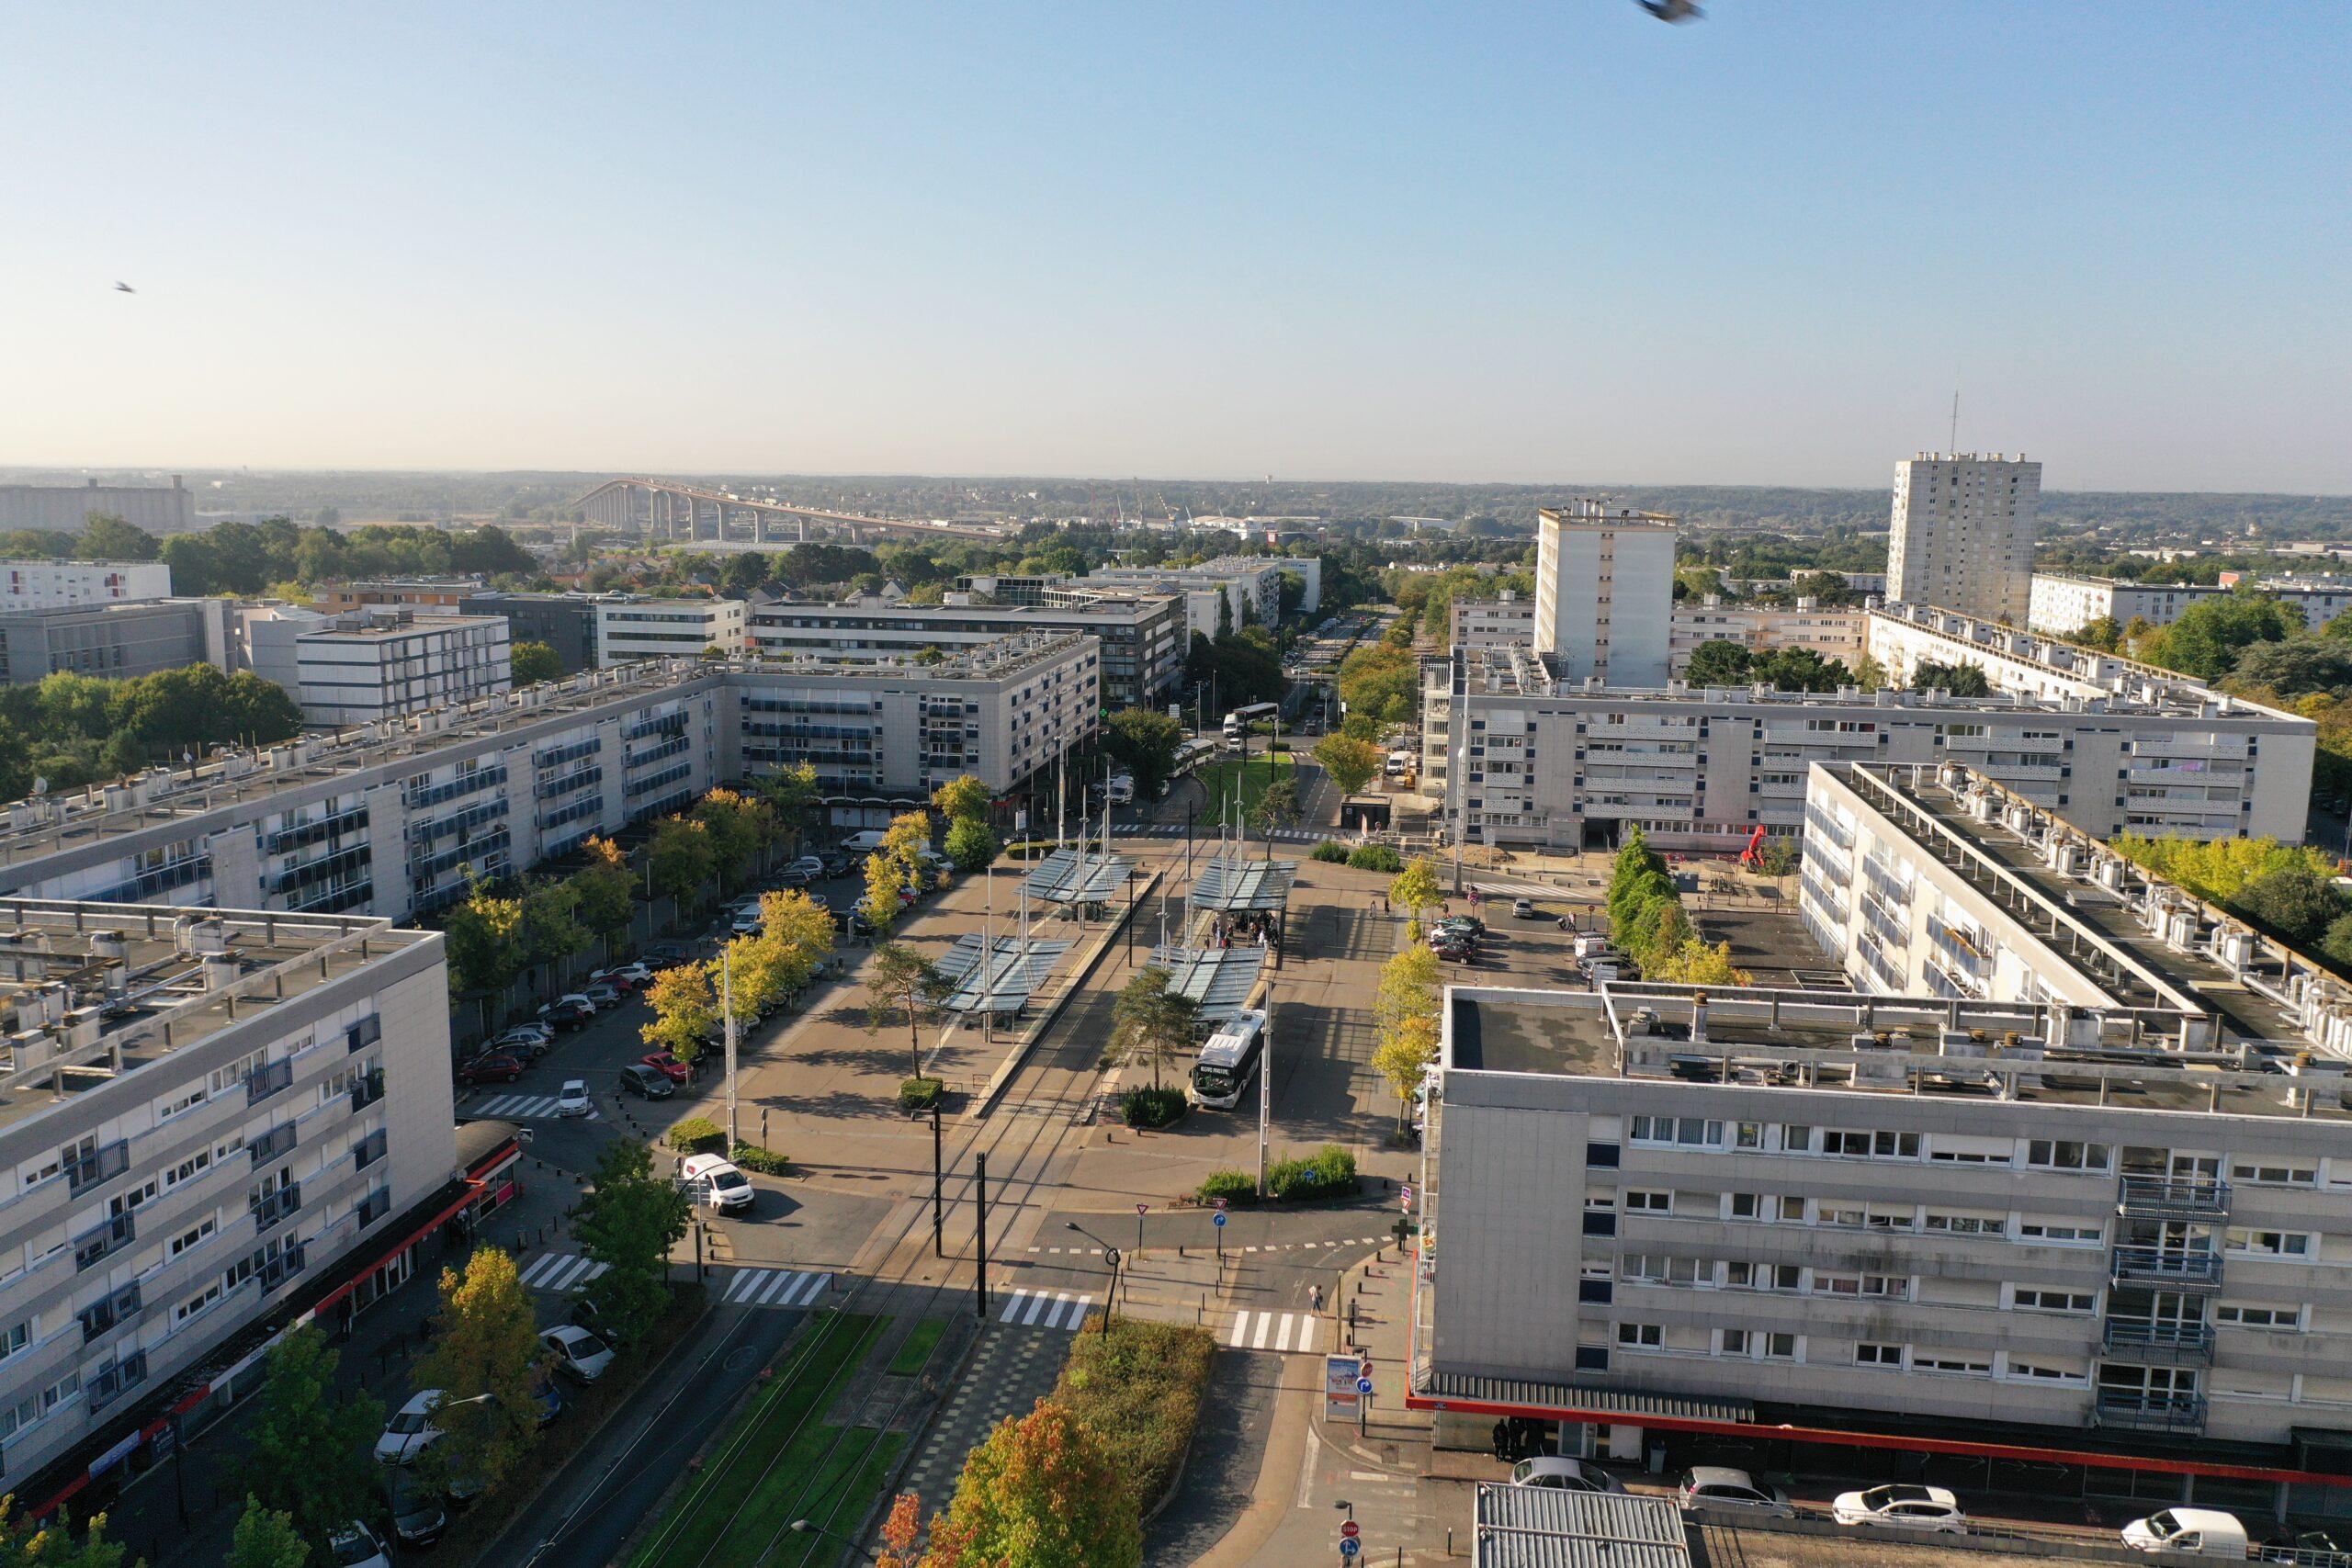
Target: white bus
[[1240, 719], [1229, 1060]]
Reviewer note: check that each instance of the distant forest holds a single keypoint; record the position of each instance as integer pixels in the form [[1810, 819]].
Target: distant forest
[[361, 495]]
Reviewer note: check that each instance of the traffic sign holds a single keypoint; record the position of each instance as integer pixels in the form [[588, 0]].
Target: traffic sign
[[1218, 1201], [1143, 1208], [1350, 1530], [1349, 1546], [1219, 1218], [1407, 1191], [1363, 1385]]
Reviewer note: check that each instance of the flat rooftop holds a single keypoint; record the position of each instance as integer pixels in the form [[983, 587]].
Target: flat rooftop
[[94, 992], [1768, 1037]]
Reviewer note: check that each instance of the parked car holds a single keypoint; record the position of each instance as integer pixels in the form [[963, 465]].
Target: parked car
[[568, 1000], [418, 1517], [665, 953], [411, 1430], [795, 876], [357, 1545], [578, 1352], [667, 1066], [625, 977], [1469, 925], [491, 1066], [812, 865], [2207, 1532], [605, 995], [646, 1082], [748, 923], [1454, 952], [836, 864], [716, 1183], [528, 1043], [1716, 1487], [1524, 909], [572, 1099], [1564, 1475], [1902, 1507], [569, 1014], [817, 898]]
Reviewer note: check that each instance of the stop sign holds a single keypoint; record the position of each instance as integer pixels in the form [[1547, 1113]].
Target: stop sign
[[1350, 1530]]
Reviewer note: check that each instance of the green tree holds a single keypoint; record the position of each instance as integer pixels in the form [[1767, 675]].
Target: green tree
[[308, 1447], [679, 859], [1960, 680], [1278, 807], [792, 793], [607, 893], [1417, 888], [1144, 743], [2295, 667], [1349, 763], [961, 799], [1404, 1022], [485, 940], [551, 926], [899, 977], [1042, 1492], [486, 1344], [628, 1220], [2296, 901], [684, 1011], [267, 1539], [27, 1544], [1717, 663], [533, 663], [885, 881], [737, 829], [1151, 1023], [971, 844], [2207, 639], [105, 537]]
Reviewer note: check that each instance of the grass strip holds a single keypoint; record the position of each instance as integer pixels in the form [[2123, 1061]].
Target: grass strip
[[915, 1354], [833, 1477], [1250, 779]]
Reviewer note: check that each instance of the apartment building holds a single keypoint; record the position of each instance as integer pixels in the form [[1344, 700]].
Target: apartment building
[[565, 622], [432, 594], [1553, 763], [1876, 1223], [631, 628], [391, 817], [1962, 534], [48, 584], [362, 665], [1505, 621], [1604, 592], [115, 639], [201, 1114], [2063, 604], [159, 509], [1831, 631], [1143, 636], [1254, 581]]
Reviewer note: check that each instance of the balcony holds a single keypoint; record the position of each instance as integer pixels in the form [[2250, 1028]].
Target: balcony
[[2173, 1198], [267, 1080], [2158, 1344], [2162, 1266], [2124, 1410], [98, 1166], [282, 1268], [368, 1090], [276, 1206], [97, 1243]]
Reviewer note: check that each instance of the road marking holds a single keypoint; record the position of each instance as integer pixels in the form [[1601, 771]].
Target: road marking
[[557, 1271], [1265, 1322], [773, 1286], [1281, 1341], [1044, 1309], [526, 1108]]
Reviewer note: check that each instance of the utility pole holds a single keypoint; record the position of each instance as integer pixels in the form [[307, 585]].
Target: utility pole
[[1265, 1094], [980, 1220], [938, 1200], [727, 1006]]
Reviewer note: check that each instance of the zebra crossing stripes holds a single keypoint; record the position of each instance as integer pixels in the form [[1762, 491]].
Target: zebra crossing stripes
[[557, 1271], [1045, 1309], [773, 1288], [1278, 1331], [523, 1107]]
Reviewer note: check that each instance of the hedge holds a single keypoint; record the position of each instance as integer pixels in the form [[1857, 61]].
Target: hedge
[[768, 1162], [696, 1135], [920, 1094], [1376, 857], [1233, 1186], [1138, 1389], [1330, 853], [1332, 1171], [1145, 1106]]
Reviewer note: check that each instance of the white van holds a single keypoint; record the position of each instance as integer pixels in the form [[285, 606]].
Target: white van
[[2207, 1532], [864, 843], [1593, 945], [712, 1180]]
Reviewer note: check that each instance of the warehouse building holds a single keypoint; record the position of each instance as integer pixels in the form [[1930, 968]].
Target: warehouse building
[[48, 584]]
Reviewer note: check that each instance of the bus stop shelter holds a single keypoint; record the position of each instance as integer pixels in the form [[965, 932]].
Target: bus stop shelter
[[1216, 980], [1249, 898], [995, 976], [1077, 880]]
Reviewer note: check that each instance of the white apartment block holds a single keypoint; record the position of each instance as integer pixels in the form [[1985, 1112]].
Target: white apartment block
[[1604, 592], [389, 818], [2063, 604], [56, 584], [1831, 631], [1817, 1216], [364, 665], [1253, 581], [1963, 534], [1546, 763], [1505, 621], [201, 1114], [629, 628]]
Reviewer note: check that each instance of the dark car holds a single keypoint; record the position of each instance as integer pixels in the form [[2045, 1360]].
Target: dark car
[[836, 865], [647, 1082], [418, 1517], [569, 1015], [495, 1066]]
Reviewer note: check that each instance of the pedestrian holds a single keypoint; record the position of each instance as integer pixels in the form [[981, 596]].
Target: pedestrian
[[1502, 1440], [1315, 1298]]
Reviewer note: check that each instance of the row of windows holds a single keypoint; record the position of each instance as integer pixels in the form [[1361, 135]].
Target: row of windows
[[1845, 1142]]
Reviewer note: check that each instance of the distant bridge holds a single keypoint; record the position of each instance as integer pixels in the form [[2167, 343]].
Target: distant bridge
[[682, 513]]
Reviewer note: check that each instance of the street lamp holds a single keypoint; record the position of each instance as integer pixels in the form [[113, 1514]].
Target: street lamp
[[808, 1526], [1112, 1254]]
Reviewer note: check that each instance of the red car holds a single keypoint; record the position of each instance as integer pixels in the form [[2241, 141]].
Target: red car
[[669, 1067], [497, 1067]]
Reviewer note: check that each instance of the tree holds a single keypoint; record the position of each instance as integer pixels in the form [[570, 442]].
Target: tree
[[1042, 1491], [1802, 670], [791, 792], [792, 920], [24, 1543], [1695, 963], [752, 975], [737, 829], [487, 1344], [2101, 632], [2296, 901], [265, 1538], [962, 798], [2207, 639], [1717, 663], [308, 1447], [1960, 680], [1150, 1022], [607, 892], [886, 883], [1144, 743], [900, 978], [1278, 807], [1869, 674], [551, 926], [904, 841], [485, 940], [1351, 764], [1417, 888], [679, 859], [2295, 667], [105, 537], [533, 663], [629, 1219], [971, 844], [1404, 1022], [684, 1013]]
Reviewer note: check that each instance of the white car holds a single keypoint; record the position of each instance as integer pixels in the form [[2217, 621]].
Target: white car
[[572, 1099], [411, 1430], [809, 864], [578, 1352], [716, 1181], [1902, 1507], [1564, 1475], [577, 999], [1718, 1486], [357, 1545], [633, 974], [533, 1030]]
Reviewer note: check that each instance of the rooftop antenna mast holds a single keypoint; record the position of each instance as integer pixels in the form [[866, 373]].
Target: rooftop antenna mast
[[1955, 421]]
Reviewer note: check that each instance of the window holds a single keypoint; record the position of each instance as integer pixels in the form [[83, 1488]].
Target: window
[[1954, 1362], [1745, 1276], [1690, 1130], [1892, 1217], [2034, 1300], [1592, 1358], [237, 1072], [1764, 1208], [2274, 1172], [1870, 1146], [1795, 1140], [2268, 1244], [1641, 1336], [1747, 1135], [1755, 1342], [1600, 1156], [15, 1338], [1890, 1287], [1596, 1292], [1888, 1357], [186, 1099], [2070, 1235], [1852, 1214], [1655, 1268], [187, 1239], [2238, 1314], [2034, 1372], [197, 1302], [1650, 1202], [2063, 1154], [1967, 1224], [1599, 1222]]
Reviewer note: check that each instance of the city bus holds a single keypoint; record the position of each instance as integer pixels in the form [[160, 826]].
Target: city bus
[[1240, 719], [1229, 1060]]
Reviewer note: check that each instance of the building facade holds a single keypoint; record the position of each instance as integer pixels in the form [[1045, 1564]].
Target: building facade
[[159, 509], [1505, 621], [565, 622], [362, 665], [1143, 636], [200, 1113], [1963, 534], [427, 593], [2063, 604], [629, 628], [1604, 592], [57, 584], [118, 641], [1831, 631]]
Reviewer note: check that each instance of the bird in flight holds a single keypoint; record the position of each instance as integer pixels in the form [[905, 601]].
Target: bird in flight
[[1672, 10], [125, 288]]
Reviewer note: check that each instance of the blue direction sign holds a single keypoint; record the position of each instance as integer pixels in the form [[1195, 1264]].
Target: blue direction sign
[[1349, 1546], [1219, 1220], [1363, 1385]]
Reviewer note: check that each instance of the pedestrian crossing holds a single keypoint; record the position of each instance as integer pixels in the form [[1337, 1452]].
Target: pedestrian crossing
[[559, 1271], [1176, 830], [774, 1286], [1279, 1331], [1045, 1309], [524, 1108]]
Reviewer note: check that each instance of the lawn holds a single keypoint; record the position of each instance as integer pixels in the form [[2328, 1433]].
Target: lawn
[[1223, 778], [916, 1352], [778, 1464]]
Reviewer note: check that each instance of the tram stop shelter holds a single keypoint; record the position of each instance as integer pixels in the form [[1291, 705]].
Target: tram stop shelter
[[1217, 980], [1247, 895], [995, 976], [1086, 884]]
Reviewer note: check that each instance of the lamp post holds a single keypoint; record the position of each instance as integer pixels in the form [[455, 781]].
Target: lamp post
[[1110, 1252], [809, 1527]]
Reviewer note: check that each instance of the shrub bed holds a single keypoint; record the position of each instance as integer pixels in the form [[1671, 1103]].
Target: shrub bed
[[1330, 853], [921, 1094], [696, 1135], [768, 1162], [1138, 1389], [1331, 1173], [1235, 1187], [1376, 857], [1144, 1106]]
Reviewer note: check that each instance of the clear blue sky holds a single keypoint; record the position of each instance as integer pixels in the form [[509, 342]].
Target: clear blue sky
[[1546, 241]]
